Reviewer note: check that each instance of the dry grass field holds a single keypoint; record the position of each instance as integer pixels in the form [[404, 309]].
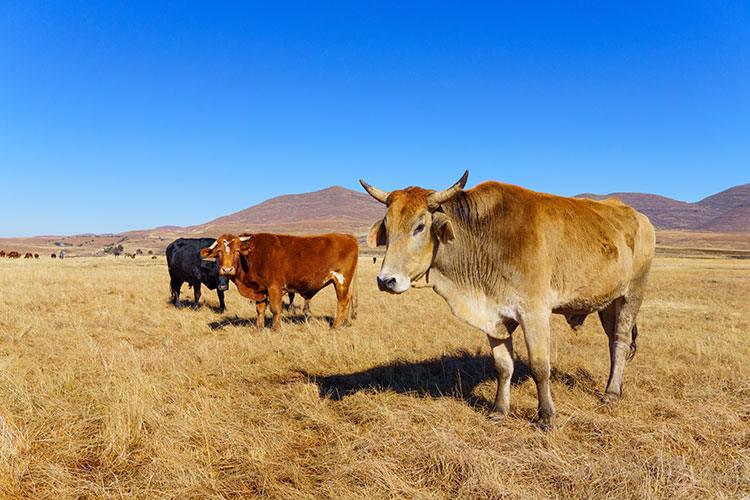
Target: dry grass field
[[108, 392]]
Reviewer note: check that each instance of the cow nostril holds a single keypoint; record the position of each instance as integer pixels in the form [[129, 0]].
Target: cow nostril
[[386, 284]]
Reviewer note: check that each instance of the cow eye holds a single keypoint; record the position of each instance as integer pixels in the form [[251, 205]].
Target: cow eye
[[418, 229]]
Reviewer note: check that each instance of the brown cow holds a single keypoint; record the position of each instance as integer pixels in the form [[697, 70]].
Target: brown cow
[[265, 266], [501, 256], [28, 255], [36, 255], [53, 256], [2, 253], [14, 255]]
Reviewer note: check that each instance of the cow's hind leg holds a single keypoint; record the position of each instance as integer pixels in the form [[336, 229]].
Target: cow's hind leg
[[502, 354], [536, 331], [343, 296], [618, 321], [260, 308], [175, 284]]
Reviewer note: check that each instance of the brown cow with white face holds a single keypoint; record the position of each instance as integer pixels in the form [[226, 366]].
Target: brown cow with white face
[[266, 266], [501, 256]]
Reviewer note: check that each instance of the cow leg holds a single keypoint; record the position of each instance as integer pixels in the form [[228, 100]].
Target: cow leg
[[306, 310], [502, 353], [618, 321], [197, 292], [274, 298], [222, 306], [175, 284], [342, 305], [536, 331], [260, 308]]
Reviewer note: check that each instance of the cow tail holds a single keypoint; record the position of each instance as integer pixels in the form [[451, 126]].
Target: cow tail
[[633, 346]]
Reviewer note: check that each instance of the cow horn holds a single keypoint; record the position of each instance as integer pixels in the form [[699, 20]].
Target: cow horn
[[245, 238], [438, 197], [213, 245], [376, 193]]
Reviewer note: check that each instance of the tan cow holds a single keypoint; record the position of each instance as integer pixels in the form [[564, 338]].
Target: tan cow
[[502, 255]]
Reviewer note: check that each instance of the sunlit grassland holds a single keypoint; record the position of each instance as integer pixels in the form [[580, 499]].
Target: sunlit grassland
[[106, 391]]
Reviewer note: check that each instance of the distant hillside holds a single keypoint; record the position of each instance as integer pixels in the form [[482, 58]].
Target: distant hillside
[[334, 209], [725, 212]]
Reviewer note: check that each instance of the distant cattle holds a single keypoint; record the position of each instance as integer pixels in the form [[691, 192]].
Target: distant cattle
[[53, 256], [2, 253], [14, 255], [501, 256], [36, 255], [265, 266], [185, 265], [374, 260], [153, 258], [28, 255]]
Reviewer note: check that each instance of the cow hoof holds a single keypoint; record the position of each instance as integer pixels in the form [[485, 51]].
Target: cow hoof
[[546, 424], [610, 398], [497, 417]]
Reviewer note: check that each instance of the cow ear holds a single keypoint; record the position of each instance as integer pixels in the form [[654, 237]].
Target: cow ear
[[243, 263], [206, 253], [376, 237], [442, 227]]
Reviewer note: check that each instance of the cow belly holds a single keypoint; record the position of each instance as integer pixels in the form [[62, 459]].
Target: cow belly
[[473, 306]]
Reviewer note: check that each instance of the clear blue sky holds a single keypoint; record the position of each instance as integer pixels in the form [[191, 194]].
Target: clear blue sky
[[125, 115]]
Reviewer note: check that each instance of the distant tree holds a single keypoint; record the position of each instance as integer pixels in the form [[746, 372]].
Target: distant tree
[[150, 252], [139, 252]]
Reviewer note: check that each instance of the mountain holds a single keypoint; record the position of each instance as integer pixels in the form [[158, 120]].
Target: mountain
[[334, 209], [725, 212]]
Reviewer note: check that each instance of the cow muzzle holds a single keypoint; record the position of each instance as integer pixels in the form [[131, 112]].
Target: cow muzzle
[[223, 284], [392, 283], [227, 271]]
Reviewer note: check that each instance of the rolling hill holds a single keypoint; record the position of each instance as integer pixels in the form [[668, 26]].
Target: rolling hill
[[724, 212], [718, 221]]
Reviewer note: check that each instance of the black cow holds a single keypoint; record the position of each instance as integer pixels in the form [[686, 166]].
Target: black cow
[[185, 265]]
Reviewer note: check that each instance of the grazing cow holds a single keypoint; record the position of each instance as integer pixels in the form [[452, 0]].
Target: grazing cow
[[501, 256], [14, 255], [153, 258], [36, 255], [185, 265], [28, 255], [53, 256], [265, 266], [2, 253]]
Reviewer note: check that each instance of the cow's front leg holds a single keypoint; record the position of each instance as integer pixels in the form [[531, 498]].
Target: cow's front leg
[[274, 298], [536, 331], [502, 353], [196, 294], [222, 306], [260, 308]]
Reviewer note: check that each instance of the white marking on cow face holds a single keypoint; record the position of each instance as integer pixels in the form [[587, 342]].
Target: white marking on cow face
[[226, 246], [338, 277]]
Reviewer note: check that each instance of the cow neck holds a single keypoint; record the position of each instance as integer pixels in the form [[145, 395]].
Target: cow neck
[[471, 259]]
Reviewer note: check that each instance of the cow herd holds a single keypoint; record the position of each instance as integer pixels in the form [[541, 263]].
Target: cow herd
[[17, 255], [500, 256], [264, 267]]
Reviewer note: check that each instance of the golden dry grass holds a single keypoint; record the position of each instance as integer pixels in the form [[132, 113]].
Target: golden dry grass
[[108, 392]]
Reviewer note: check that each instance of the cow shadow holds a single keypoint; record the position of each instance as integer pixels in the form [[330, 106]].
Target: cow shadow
[[190, 305], [247, 322], [448, 376]]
